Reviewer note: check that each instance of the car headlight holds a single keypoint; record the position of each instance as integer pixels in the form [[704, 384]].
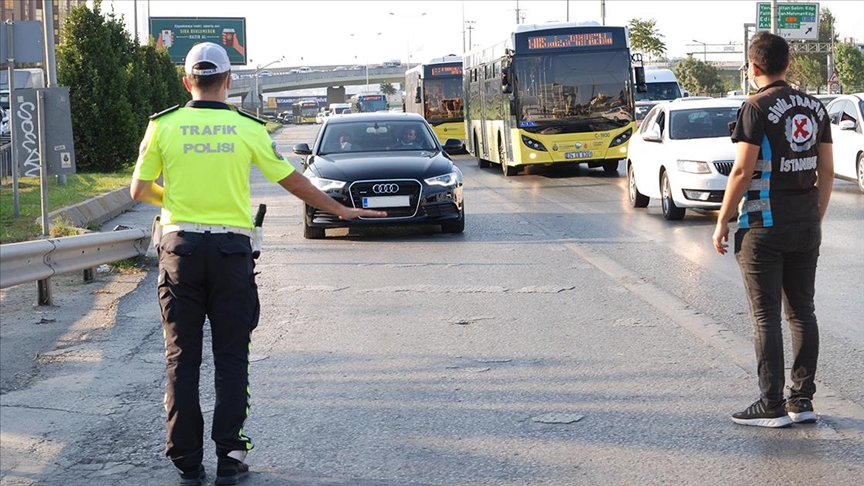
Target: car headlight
[[693, 166], [445, 180], [621, 138], [326, 185], [534, 144]]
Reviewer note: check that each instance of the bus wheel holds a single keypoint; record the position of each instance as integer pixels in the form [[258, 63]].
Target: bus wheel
[[506, 169], [610, 167], [480, 162]]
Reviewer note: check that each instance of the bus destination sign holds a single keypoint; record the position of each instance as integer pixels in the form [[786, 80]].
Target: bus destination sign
[[447, 71], [591, 39]]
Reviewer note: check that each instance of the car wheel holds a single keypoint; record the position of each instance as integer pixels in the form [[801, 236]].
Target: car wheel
[[610, 167], [670, 211], [480, 162], [861, 172], [311, 232], [637, 199], [456, 225], [502, 158]]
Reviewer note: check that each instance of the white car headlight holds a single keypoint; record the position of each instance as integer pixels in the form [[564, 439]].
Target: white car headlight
[[327, 184], [694, 166], [445, 180]]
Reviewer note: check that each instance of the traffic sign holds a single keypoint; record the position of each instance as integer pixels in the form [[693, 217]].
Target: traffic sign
[[834, 78], [794, 20]]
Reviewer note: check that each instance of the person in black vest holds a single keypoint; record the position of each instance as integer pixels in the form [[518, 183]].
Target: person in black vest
[[784, 171]]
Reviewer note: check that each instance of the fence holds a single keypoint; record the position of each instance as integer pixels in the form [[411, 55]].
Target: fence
[[39, 260]]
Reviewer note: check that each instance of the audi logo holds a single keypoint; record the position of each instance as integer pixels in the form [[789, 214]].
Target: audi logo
[[385, 188]]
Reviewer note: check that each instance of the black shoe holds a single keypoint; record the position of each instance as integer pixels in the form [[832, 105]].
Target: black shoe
[[801, 410], [194, 478], [761, 416], [230, 471]]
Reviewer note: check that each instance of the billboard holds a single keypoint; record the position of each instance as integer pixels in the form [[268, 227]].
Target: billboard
[[179, 34]]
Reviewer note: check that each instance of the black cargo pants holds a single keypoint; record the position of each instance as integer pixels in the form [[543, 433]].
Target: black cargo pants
[[203, 274]]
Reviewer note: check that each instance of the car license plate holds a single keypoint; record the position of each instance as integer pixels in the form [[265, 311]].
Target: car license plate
[[585, 154], [386, 201]]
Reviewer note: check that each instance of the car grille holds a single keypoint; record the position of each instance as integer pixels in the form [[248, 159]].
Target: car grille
[[724, 166], [407, 187]]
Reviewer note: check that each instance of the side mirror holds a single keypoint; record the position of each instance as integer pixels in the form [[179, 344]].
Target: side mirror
[[454, 146], [641, 85], [847, 125], [302, 149], [506, 80], [685, 93], [652, 135], [417, 97]]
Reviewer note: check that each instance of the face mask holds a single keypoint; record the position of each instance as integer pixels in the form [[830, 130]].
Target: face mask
[[753, 84]]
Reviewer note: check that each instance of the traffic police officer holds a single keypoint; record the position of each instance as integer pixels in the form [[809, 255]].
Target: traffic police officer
[[205, 151]]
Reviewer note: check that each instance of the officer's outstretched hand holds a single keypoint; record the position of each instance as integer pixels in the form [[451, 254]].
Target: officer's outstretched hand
[[354, 213]]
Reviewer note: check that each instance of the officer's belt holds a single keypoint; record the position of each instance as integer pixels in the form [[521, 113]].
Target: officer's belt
[[205, 228]]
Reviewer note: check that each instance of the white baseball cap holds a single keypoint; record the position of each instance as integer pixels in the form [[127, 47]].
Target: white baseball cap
[[207, 52]]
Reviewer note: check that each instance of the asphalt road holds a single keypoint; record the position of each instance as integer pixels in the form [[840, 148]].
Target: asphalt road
[[565, 338]]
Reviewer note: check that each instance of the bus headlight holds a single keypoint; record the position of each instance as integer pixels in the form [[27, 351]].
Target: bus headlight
[[326, 185], [533, 144], [445, 180], [693, 166], [621, 138]]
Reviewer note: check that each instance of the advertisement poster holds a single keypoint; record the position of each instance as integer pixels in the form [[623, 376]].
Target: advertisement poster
[[179, 34]]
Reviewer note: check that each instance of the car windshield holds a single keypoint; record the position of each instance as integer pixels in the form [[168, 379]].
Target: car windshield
[[701, 123], [376, 136], [660, 91]]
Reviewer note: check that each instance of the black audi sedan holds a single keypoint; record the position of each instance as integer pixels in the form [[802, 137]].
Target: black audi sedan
[[383, 160]]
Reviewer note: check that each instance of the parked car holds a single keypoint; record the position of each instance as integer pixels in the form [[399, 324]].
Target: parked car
[[416, 184], [682, 155], [847, 129]]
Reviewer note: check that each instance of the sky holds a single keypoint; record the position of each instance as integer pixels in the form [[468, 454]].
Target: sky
[[313, 33]]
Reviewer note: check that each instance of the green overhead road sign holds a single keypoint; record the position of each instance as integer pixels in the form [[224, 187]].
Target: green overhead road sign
[[794, 20]]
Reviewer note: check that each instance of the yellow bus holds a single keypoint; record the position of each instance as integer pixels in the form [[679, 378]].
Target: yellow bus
[[305, 111], [554, 93], [434, 91]]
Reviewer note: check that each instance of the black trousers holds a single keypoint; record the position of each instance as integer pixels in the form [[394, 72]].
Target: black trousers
[[778, 265], [212, 275]]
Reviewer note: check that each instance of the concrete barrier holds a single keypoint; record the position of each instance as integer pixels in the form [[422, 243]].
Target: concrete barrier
[[94, 211]]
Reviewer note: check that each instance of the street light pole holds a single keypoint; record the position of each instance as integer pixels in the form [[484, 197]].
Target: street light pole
[[408, 34], [704, 50], [258, 69], [367, 58]]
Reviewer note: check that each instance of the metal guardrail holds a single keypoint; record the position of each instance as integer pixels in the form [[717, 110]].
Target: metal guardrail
[[31, 261]]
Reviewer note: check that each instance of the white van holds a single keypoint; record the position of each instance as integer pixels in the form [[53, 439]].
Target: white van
[[662, 85]]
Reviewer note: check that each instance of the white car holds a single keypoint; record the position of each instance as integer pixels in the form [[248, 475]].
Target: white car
[[321, 116], [682, 155], [847, 129]]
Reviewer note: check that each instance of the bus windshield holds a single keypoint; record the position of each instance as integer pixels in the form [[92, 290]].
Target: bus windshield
[[308, 109], [570, 93], [370, 103], [443, 99], [660, 91]]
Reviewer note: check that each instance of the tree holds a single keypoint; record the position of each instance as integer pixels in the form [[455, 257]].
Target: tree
[[387, 88], [698, 77], [805, 71], [849, 62], [92, 57], [114, 85], [645, 38]]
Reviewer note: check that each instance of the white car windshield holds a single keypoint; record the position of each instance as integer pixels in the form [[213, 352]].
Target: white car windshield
[[701, 123]]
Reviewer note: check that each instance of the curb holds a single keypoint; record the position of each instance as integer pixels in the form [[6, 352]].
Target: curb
[[96, 210]]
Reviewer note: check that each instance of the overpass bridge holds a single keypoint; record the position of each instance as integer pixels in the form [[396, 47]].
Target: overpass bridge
[[244, 88]]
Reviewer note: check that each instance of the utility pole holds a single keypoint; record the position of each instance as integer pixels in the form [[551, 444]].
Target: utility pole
[[602, 12], [463, 26], [774, 17], [50, 60], [136, 20], [517, 12], [470, 27]]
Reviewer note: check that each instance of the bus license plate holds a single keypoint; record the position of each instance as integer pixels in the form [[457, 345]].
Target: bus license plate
[[386, 202], [585, 154]]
